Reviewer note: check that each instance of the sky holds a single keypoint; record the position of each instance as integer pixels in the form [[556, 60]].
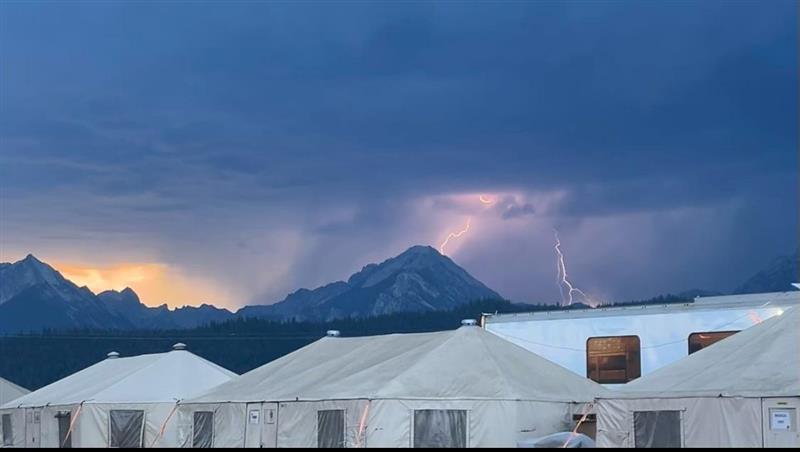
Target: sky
[[230, 153]]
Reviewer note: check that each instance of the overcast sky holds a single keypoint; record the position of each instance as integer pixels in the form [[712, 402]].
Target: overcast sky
[[234, 152]]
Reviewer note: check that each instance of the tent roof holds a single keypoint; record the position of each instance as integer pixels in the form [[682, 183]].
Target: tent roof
[[10, 391], [761, 361], [461, 364], [161, 377]]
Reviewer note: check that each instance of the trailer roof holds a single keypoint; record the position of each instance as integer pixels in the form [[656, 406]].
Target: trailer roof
[[774, 299]]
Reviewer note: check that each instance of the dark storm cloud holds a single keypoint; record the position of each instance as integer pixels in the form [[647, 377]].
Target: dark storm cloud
[[508, 208], [186, 115]]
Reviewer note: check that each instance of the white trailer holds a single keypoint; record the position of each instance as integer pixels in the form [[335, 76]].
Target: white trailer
[[615, 345]]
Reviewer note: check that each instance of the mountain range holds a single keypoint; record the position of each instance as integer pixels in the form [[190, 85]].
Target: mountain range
[[34, 296]]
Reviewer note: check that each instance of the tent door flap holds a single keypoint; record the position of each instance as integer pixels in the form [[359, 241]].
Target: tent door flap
[[261, 425], [269, 432]]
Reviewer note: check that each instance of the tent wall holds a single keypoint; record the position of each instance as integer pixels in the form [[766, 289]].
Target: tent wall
[[17, 428], [229, 423], [48, 436], [93, 424], [705, 422], [297, 422], [491, 423], [91, 428], [389, 423]]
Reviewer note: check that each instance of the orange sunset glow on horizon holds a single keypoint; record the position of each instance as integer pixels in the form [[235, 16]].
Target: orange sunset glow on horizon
[[154, 283]]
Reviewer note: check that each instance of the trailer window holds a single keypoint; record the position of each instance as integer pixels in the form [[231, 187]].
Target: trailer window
[[657, 429], [613, 359], [330, 429], [440, 428], [699, 341], [8, 438]]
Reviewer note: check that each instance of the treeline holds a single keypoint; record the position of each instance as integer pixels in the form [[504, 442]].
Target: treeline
[[241, 344], [661, 299], [35, 360]]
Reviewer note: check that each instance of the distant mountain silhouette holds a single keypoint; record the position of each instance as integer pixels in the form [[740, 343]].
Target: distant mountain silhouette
[[777, 277], [34, 296], [419, 279]]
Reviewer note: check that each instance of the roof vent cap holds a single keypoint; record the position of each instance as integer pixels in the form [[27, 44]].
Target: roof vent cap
[[332, 333], [469, 322], [112, 355], [179, 346]]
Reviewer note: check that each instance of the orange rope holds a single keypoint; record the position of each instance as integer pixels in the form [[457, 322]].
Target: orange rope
[[72, 424], [362, 424], [164, 425], [574, 433]]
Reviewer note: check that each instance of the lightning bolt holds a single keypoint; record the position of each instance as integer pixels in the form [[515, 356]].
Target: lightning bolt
[[562, 280], [485, 200], [455, 235]]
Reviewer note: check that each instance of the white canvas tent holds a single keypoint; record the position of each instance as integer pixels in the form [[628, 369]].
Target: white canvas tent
[[465, 387], [9, 391], [116, 402], [743, 391]]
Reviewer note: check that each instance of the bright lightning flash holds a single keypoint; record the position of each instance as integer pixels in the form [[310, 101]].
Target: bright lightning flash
[[485, 200], [563, 282], [455, 235]]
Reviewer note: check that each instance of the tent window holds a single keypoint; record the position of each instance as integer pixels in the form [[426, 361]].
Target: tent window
[[203, 431], [64, 418], [699, 341], [330, 428], [613, 359], [440, 428], [126, 428], [660, 429], [8, 438]]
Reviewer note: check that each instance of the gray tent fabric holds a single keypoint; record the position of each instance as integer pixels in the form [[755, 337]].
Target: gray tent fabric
[[8, 438], [203, 429], [659, 429], [721, 396], [10, 391], [440, 428], [330, 429], [126, 428], [64, 435]]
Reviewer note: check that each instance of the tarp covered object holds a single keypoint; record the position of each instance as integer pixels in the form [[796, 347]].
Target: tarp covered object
[[560, 439]]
